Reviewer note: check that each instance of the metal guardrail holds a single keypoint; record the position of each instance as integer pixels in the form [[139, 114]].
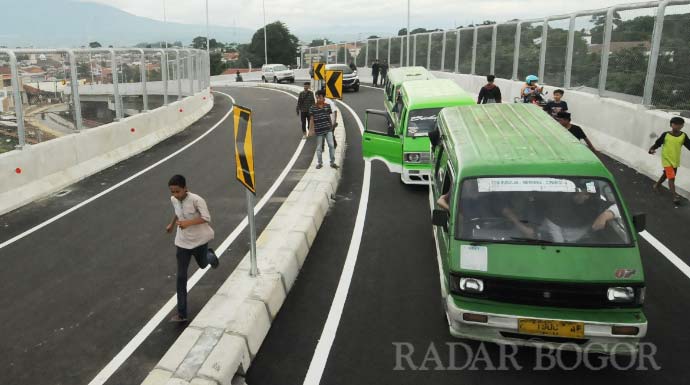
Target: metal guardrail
[[618, 53], [67, 83]]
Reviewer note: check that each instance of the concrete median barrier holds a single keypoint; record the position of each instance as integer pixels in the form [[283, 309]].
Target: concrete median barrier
[[226, 335], [45, 168]]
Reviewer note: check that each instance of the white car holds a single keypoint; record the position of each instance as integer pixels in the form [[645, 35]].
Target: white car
[[276, 73]]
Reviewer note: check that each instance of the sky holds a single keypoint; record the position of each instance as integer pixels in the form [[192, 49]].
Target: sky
[[359, 17]]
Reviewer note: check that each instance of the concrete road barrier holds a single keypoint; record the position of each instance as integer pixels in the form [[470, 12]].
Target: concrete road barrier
[[45, 168], [226, 335]]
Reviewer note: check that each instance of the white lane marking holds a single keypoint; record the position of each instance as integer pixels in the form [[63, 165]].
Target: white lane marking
[[145, 331], [670, 255], [444, 292], [104, 192], [323, 348], [372, 87]]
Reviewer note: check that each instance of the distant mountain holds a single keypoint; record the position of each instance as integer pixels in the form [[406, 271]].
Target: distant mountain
[[70, 24]]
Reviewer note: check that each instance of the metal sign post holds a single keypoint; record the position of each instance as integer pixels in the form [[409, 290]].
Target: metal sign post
[[244, 163]]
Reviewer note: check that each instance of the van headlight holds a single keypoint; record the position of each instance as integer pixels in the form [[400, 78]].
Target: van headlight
[[413, 157], [471, 285], [417, 157], [621, 294]]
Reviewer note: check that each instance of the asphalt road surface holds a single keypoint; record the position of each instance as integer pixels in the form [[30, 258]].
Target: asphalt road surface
[[77, 290], [394, 296]]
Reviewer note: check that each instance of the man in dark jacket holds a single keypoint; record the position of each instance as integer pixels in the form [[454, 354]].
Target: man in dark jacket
[[375, 67], [490, 93], [384, 71], [304, 102]]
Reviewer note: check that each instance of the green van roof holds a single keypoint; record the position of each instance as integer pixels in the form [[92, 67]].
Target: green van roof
[[398, 75], [514, 139], [434, 93]]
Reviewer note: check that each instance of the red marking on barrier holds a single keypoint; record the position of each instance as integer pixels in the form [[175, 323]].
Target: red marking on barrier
[[132, 129], [181, 110], [204, 98], [18, 170]]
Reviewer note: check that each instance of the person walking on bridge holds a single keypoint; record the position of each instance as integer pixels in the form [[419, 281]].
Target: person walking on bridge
[[672, 143], [375, 67], [322, 126], [192, 220], [304, 102]]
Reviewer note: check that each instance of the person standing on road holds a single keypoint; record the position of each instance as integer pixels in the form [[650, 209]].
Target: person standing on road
[[564, 119], [384, 71], [375, 67], [334, 118], [320, 124], [672, 143], [490, 93], [193, 234], [304, 102]]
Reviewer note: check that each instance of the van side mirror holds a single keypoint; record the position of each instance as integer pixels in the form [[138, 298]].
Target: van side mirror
[[440, 217], [640, 222]]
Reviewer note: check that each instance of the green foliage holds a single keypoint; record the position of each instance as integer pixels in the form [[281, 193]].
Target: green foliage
[[319, 42], [282, 45], [95, 44]]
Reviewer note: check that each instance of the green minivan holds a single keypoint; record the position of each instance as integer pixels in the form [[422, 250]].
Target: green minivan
[[404, 146], [395, 79], [535, 244]]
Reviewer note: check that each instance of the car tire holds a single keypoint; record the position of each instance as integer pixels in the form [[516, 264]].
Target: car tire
[[275, 79], [292, 80], [263, 79], [355, 88]]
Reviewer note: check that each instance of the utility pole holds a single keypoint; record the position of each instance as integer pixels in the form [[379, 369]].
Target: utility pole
[[265, 36], [408, 32]]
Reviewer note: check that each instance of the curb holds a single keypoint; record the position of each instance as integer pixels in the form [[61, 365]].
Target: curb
[[227, 333]]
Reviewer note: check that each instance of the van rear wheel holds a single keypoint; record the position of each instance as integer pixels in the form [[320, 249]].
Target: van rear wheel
[[275, 79], [263, 79]]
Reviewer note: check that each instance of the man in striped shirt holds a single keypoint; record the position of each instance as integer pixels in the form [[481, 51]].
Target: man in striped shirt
[[320, 122]]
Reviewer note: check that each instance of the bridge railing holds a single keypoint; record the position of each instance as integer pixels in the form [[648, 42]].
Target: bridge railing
[[637, 52], [48, 93]]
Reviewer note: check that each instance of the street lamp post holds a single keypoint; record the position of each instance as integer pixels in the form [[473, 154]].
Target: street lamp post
[[208, 39], [165, 26], [265, 36], [408, 32]]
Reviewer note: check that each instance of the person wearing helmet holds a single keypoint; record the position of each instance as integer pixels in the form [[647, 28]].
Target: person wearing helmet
[[531, 89]]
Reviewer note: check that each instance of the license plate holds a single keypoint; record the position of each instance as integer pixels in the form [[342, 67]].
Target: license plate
[[552, 328]]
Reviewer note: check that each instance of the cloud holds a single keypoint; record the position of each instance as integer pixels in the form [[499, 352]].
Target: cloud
[[357, 17]]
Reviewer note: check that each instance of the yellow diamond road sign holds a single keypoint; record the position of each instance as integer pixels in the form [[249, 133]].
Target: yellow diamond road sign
[[334, 84], [244, 152], [319, 71]]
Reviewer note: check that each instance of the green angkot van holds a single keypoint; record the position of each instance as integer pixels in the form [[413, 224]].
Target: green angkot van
[[405, 147], [536, 247], [395, 79]]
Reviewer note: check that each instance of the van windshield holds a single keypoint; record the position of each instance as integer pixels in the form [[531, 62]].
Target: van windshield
[[279, 68], [421, 122], [541, 210]]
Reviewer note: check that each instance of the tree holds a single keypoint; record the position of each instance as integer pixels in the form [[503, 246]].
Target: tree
[[282, 45], [319, 42], [95, 44], [199, 42], [373, 37]]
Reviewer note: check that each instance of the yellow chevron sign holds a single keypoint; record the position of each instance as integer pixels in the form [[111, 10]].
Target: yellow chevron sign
[[319, 71], [334, 84], [244, 151]]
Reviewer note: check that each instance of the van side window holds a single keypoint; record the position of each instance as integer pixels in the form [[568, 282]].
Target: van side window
[[439, 158]]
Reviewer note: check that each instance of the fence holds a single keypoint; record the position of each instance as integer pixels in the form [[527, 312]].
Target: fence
[[48, 93], [636, 52]]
